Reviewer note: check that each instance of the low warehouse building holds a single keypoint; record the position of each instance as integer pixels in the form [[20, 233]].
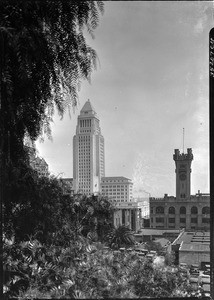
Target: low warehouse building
[[192, 247]]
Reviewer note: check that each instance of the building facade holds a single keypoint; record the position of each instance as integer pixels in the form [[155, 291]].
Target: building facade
[[127, 214], [191, 212], [37, 163], [144, 204], [88, 152], [40, 165], [192, 247], [67, 186], [118, 189]]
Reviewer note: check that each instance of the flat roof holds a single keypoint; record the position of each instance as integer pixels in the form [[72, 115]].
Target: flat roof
[[197, 237], [115, 178], [194, 247], [154, 231]]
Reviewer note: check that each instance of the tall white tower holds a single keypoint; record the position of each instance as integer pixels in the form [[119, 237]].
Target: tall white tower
[[88, 152]]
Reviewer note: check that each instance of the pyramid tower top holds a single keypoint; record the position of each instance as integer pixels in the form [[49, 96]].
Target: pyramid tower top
[[87, 108]]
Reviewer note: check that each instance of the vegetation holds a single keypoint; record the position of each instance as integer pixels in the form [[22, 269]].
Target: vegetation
[[39, 208], [44, 57], [151, 245], [64, 247], [84, 270]]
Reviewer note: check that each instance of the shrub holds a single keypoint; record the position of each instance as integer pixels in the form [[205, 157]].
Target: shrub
[[83, 270]]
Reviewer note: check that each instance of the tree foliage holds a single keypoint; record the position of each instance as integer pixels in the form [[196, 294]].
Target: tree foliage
[[38, 208], [151, 245], [36, 204], [120, 237], [84, 270], [44, 57]]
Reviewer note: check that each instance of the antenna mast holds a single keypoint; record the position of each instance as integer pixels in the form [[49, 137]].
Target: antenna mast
[[183, 140]]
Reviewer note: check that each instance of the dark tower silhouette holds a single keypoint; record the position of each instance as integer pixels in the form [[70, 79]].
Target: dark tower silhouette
[[183, 173]]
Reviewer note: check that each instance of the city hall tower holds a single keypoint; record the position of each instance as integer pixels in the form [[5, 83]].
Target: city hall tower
[[88, 152]]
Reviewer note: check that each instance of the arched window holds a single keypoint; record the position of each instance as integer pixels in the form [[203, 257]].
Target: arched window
[[194, 210], [206, 210], [182, 210], [172, 210], [160, 210]]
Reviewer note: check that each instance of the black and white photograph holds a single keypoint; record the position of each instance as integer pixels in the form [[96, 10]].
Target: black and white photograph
[[105, 149]]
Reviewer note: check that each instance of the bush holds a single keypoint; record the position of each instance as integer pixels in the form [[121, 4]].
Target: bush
[[83, 270]]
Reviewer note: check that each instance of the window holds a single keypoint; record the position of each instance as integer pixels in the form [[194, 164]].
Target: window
[[206, 210], [160, 210], [171, 220], [182, 210], [194, 220], [172, 210], [194, 210], [123, 217], [159, 220], [206, 220], [182, 220]]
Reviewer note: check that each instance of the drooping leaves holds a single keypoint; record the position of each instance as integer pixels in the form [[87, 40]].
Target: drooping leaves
[[44, 58]]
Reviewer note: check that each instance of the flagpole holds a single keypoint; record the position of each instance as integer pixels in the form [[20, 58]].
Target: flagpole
[[183, 140]]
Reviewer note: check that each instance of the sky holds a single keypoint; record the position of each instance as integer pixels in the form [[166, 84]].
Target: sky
[[152, 81]]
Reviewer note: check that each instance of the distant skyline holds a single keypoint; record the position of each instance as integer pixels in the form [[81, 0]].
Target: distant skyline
[[152, 82]]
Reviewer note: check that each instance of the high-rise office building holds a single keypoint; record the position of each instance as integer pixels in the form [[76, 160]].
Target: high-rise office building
[[88, 152], [118, 188]]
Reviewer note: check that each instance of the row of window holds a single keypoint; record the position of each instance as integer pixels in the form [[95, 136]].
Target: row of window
[[117, 194], [114, 181], [182, 220], [82, 147], [116, 197], [114, 190], [115, 186], [87, 130], [85, 123], [171, 210], [84, 137], [83, 153]]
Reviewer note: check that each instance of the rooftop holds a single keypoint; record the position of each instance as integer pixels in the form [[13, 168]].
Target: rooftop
[[193, 238], [151, 231], [195, 247], [87, 108], [197, 197], [115, 178]]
